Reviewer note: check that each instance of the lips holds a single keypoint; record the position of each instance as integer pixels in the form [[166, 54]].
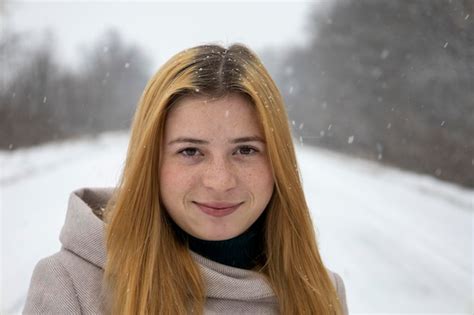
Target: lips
[[217, 205], [218, 209]]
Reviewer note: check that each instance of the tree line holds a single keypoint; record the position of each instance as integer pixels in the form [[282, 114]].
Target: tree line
[[43, 100], [387, 80]]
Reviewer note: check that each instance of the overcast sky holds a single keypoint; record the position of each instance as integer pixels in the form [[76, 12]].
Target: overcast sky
[[165, 28]]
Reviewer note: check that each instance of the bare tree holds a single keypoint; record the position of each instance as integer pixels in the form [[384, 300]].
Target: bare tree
[[113, 75], [27, 98]]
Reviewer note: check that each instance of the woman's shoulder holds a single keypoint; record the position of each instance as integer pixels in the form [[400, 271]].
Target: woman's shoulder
[[51, 289], [64, 283], [338, 283]]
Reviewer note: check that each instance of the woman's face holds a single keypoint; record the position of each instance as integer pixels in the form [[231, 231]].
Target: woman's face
[[215, 177]]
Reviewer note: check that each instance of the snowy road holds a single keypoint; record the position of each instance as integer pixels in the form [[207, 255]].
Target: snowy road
[[402, 242]]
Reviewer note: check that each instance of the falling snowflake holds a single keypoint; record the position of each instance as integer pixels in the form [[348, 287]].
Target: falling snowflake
[[289, 70]]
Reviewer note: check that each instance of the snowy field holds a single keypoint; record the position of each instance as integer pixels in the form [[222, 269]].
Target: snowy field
[[402, 242]]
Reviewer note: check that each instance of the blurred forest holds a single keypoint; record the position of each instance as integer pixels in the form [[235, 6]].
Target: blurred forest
[[42, 100], [385, 80]]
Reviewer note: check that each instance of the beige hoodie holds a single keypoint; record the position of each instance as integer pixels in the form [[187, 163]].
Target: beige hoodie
[[69, 282]]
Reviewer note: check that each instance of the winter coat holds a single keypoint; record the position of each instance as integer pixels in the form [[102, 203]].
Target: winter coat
[[69, 282]]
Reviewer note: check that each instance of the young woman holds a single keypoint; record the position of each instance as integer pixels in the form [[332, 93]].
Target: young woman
[[209, 215]]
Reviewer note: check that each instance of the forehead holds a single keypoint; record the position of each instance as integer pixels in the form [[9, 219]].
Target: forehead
[[203, 116]]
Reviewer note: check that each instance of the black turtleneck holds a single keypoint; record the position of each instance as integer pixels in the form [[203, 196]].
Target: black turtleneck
[[243, 251]]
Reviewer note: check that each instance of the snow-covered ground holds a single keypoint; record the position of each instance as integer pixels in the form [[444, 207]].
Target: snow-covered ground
[[402, 242]]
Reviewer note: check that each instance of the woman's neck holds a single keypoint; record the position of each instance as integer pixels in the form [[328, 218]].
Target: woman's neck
[[243, 251]]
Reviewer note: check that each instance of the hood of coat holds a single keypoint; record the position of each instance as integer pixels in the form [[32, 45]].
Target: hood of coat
[[83, 234]]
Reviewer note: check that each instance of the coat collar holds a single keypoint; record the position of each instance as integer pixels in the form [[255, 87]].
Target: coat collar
[[83, 234]]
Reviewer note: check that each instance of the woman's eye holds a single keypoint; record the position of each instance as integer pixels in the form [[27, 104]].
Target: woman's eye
[[189, 152], [246, 150]]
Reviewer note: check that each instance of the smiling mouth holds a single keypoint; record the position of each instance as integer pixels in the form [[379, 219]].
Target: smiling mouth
[[218, 205], [217, 209]]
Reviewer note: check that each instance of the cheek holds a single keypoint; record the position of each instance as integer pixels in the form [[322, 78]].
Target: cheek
[[167, 177], [260, 179], [173, 181]]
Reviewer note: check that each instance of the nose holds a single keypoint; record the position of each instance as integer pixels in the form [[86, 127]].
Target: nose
[[219, 175]]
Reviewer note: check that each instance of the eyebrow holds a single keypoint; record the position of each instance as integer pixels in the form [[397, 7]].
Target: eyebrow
[[200, 141]]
